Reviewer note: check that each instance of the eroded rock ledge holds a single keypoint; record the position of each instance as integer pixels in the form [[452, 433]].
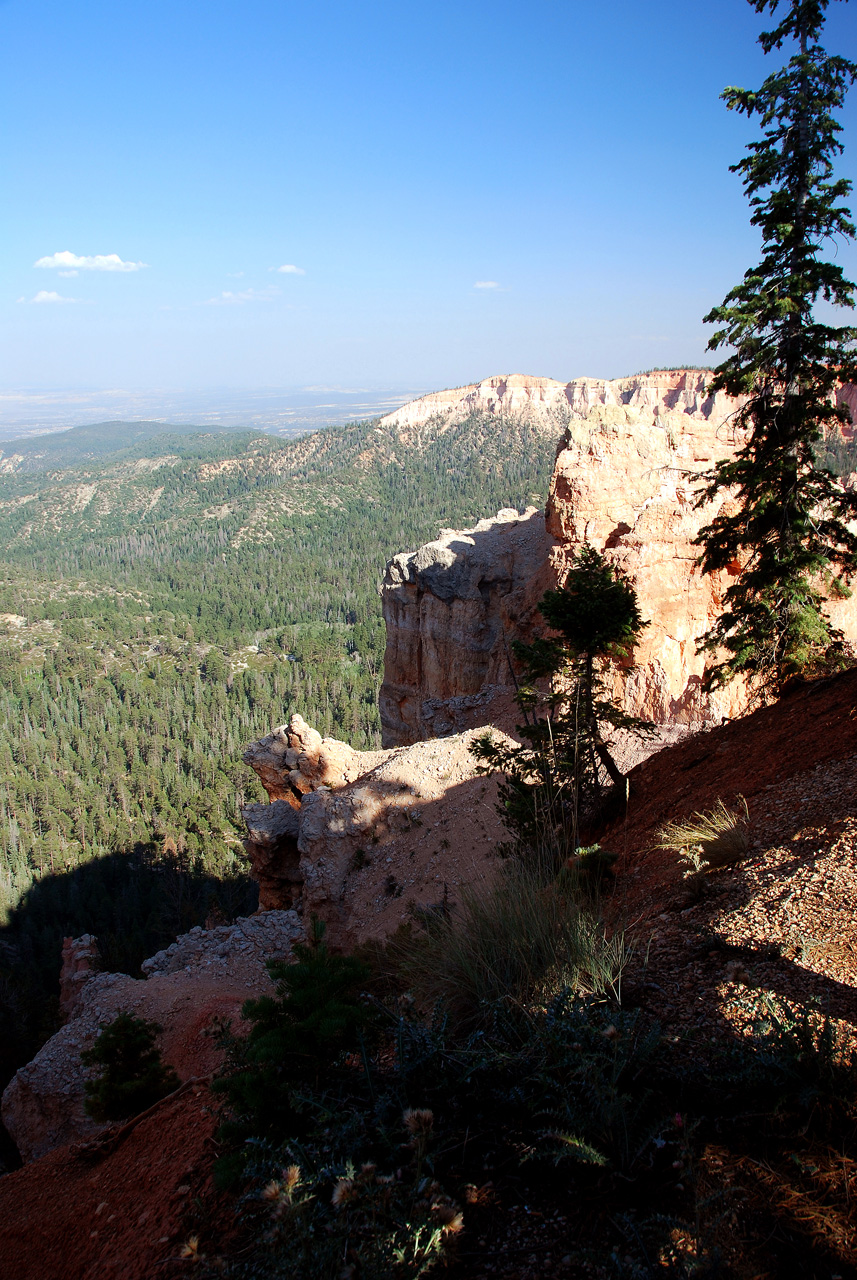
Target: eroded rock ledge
[[358, 839], [206, 974]]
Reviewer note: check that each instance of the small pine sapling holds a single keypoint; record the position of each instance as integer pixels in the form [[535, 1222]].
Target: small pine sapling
[[132, 1076], [296, 1036], [316, 1013]]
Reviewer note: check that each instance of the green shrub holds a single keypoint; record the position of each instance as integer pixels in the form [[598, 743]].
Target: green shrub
[[296, 1039], [132, 1076], [560, 781], [352, 1220], [574, 1081], [794, 1057]]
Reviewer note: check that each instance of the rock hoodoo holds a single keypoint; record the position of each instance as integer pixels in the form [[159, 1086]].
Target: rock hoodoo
[[292, 762], [365, 843], [80, 960]]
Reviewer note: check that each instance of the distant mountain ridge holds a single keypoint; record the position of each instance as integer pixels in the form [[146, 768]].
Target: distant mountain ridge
[[86, 443], [123, 479], [240, 534]]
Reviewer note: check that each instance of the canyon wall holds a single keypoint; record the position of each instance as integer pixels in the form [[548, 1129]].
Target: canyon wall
[[450, 609], [626, 481], [545, 400]]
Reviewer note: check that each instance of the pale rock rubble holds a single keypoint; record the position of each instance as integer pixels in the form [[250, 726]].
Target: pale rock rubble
[[268, 935]]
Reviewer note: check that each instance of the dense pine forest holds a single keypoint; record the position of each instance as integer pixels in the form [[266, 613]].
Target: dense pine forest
[[161, 606]]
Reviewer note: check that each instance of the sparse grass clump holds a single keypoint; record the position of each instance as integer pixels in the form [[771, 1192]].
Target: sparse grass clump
[[716, 838], [520, 940]]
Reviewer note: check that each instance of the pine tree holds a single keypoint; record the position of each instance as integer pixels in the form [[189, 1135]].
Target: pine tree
[[132, 1076], [566, 770], [785, 530], [295, 1036]]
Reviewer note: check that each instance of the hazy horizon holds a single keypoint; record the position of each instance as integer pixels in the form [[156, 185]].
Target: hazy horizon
[[282, 410], [279, 410]]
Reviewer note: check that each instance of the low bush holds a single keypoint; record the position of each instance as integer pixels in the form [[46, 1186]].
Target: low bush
[[793, 1057], [572, 1081], [333, 1220]]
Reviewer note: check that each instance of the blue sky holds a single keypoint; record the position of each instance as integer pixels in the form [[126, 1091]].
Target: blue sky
[[462, 188]]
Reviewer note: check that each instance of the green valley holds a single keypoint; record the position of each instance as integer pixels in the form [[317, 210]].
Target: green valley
[[161, 606]]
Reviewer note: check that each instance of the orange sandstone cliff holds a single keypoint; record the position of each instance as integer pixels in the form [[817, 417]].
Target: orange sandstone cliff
[[626, 480]]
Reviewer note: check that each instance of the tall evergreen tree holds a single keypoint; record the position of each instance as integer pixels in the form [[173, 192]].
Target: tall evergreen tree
[[787, 528]]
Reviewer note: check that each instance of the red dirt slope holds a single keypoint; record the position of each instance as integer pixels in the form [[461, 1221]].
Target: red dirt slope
[[121, 1216], [782, 921]]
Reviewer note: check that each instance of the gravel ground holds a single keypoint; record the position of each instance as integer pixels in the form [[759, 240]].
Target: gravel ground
[[781, 922]]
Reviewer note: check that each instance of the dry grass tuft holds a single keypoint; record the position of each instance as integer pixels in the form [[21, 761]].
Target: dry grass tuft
[[717, 838], [522, 938]]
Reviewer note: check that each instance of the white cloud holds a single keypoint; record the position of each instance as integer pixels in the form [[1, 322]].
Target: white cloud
[[235, 275], [68, 274], [486, 284], [48, 295], [71, 263], [288, 269], [228, 298]]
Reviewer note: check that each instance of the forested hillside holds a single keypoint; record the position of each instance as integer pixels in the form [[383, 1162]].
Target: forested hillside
[[84, 444], [163, 605]]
